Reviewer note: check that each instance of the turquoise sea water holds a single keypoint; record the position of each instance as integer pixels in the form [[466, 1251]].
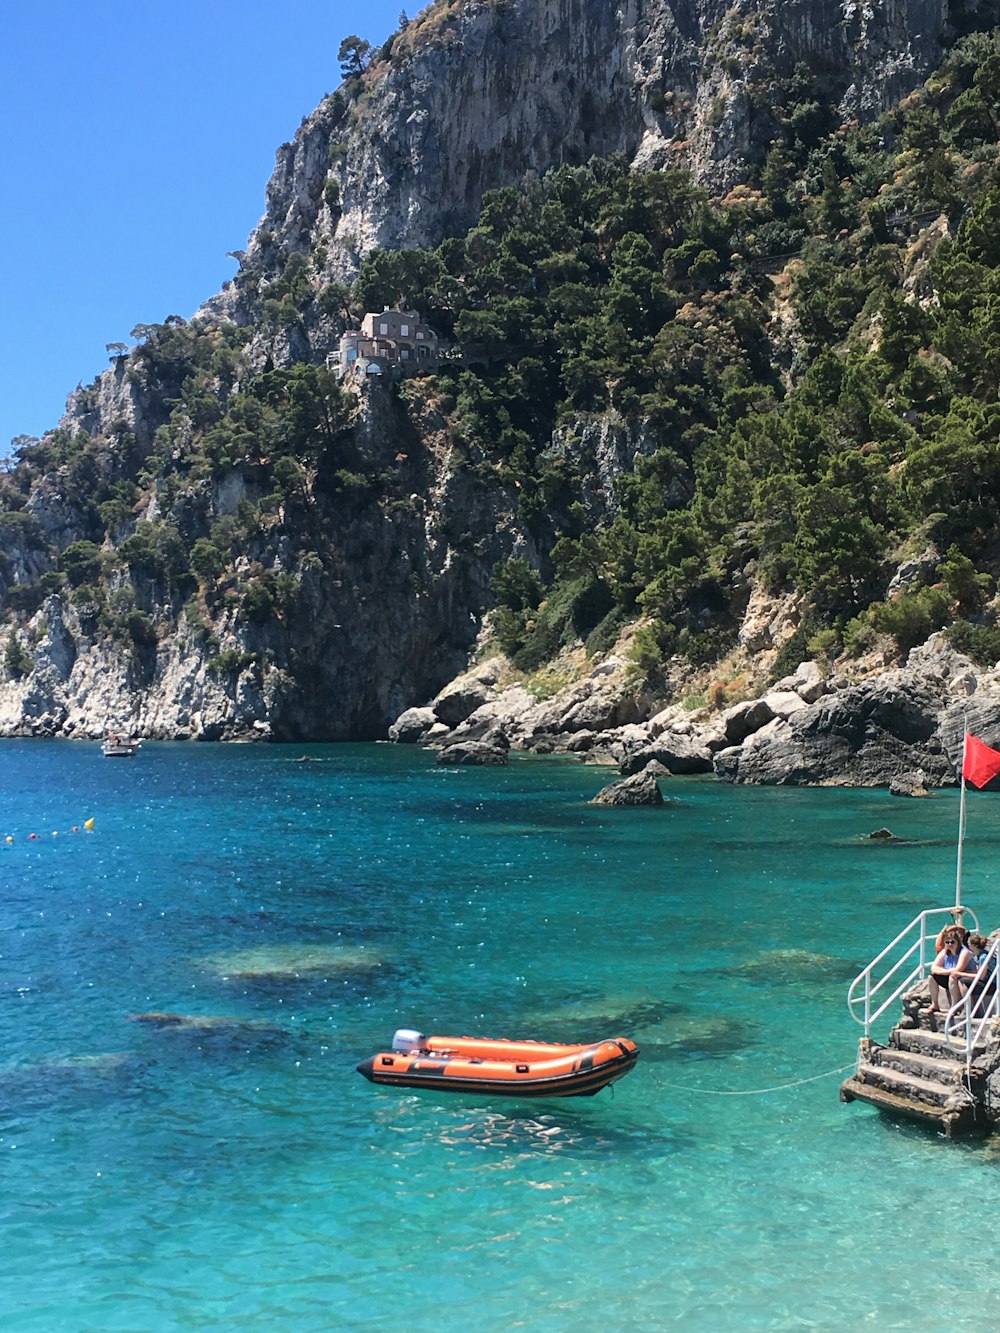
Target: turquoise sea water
[[244, 1177]]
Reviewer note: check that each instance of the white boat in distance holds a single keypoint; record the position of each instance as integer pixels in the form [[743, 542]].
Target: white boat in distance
[[114, 747]]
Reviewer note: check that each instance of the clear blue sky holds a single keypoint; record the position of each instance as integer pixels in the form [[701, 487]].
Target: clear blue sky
[[136, 144]]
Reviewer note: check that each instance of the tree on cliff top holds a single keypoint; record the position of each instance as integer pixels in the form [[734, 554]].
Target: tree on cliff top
[[354, 56]]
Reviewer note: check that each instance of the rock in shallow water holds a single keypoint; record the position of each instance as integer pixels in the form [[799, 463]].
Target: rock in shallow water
[[909, 784], [292, 962], [473, 752], [216, 1033], [640, 789]]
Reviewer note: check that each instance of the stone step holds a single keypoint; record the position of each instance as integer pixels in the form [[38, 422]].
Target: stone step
[[923, 1041], [950, 1121], [925, 1066], [912, 1087], [915, 1012]]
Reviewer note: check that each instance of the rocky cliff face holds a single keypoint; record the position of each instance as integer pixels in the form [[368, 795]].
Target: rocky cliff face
[[386, 604], [474, 95], [389, 596]]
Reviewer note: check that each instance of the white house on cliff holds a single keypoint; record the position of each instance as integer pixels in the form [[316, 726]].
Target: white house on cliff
[[396, 342]]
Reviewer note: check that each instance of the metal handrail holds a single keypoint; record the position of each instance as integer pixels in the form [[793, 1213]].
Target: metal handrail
[[862, 991], [983, 1006]]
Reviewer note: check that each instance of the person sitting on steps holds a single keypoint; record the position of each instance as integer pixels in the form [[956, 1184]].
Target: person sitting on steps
[[942, 972], [972, 971]]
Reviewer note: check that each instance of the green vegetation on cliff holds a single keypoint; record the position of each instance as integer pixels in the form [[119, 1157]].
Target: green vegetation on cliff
[[808, 370]]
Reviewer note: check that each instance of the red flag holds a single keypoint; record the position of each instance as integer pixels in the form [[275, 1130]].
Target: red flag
[[982, 763]]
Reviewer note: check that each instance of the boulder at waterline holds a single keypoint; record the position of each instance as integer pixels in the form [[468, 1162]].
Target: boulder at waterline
[[473, 752], [640, 789], [909, 784], [411, 726]]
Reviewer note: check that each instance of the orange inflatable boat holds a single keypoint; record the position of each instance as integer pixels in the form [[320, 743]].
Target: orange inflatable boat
[[500, 1068]]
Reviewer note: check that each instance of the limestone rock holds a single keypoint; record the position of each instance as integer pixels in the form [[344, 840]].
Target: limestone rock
[[675, 752], [767, 621], [412, 726], [806, 681], [593, 704], [602, 757], [864, 736], [510, 713], [743, 719], [640, 789], [908, 784], [473, 752], [914, 573], [783, 703], [676, 718], [459, 700]]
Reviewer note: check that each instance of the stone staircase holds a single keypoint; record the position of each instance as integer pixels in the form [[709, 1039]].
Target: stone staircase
[[918, 1075]]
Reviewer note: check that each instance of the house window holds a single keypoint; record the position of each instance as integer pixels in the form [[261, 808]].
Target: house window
[[405, 354], [419, 334], [404, 330], [383, 328]]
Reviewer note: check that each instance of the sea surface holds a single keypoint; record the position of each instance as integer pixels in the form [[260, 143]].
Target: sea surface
[[238, 1174]]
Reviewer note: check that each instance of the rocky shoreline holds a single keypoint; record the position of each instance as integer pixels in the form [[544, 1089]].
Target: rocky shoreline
[[901, 728]]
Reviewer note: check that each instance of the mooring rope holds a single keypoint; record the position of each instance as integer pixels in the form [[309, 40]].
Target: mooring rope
[[754, 1092]]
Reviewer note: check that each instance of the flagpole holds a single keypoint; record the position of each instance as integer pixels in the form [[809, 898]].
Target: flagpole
[[961, 833]]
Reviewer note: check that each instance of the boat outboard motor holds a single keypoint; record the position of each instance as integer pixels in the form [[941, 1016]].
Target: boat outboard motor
[[406, 1041]]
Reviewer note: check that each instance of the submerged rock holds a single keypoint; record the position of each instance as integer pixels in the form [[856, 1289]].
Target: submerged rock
[[690, 1037], [292, 962], [798, 964], [69, 1080], [215, 1031], [202, 1023], [623, 1015]]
